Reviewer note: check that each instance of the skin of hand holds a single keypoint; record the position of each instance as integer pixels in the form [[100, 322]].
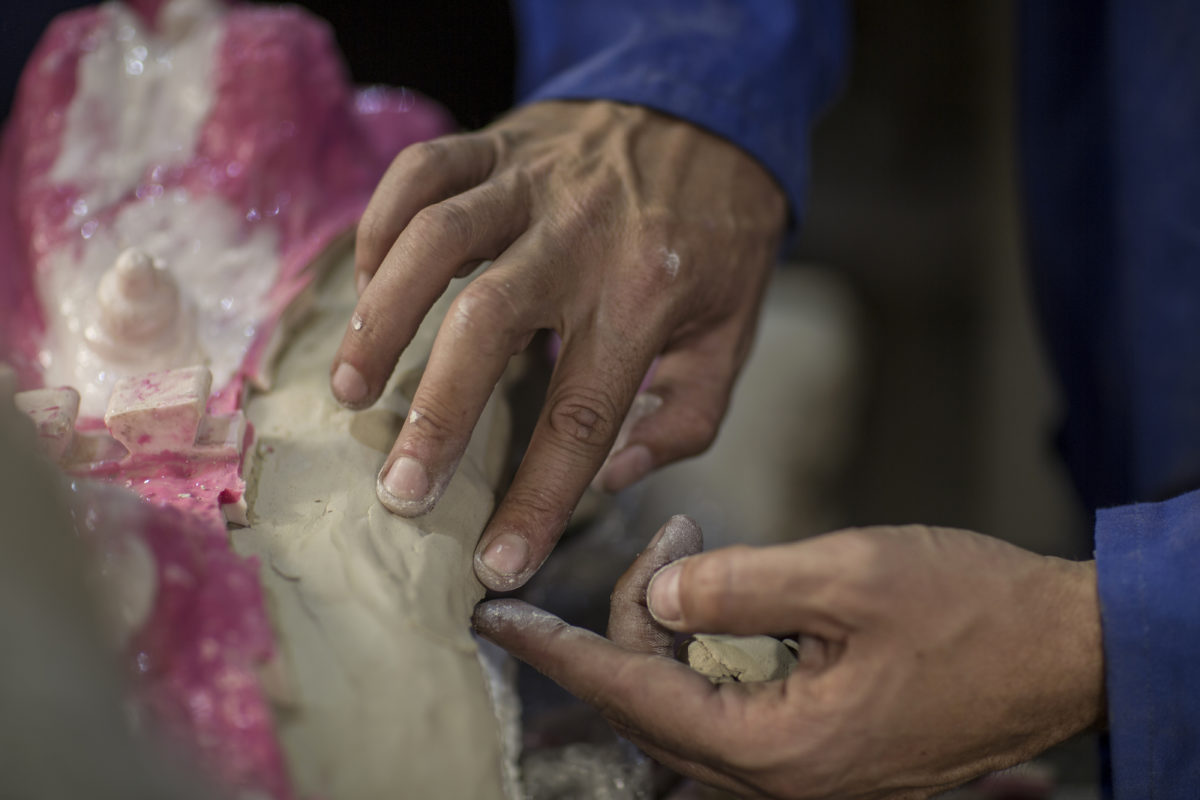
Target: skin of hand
[[633, 235], [928, 656]]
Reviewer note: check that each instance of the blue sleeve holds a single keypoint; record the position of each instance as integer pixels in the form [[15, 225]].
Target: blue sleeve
[[1148, 564], [756, 72]]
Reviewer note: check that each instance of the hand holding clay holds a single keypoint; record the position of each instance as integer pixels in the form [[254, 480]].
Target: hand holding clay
[[928, 656], [631, 234]]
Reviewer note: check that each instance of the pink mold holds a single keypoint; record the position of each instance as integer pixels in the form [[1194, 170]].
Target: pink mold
[[287, 142], [194, 660]]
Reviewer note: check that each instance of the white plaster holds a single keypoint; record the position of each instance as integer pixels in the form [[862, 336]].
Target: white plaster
[[140, 100], [222, 272]]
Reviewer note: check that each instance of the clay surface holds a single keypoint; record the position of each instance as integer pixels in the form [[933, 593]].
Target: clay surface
[[382, 692]]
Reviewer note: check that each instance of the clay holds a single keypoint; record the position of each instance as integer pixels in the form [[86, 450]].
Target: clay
[[371, 610], [742, 659]]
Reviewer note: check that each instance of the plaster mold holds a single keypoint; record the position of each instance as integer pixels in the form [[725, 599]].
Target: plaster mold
[[169, 176], [174, 178]]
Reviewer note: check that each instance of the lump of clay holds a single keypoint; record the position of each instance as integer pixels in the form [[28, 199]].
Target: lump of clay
[[742, 659]]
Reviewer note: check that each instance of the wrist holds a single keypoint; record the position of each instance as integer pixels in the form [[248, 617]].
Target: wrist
[[1081, 639]]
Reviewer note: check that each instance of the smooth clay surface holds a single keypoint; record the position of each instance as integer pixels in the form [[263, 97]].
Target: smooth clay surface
[[380, 690]]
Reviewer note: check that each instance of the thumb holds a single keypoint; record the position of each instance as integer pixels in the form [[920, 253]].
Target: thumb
[[780, 590], [629, 624]]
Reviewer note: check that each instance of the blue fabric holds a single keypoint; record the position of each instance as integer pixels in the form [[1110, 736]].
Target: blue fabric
[[1148, 558], [756, 72], [1110, 138], [1110, 98]]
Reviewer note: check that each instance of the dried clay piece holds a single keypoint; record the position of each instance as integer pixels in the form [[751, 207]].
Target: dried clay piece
[[739, 659]]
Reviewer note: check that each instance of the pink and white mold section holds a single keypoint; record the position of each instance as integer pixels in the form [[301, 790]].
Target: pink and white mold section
[[170, 174]]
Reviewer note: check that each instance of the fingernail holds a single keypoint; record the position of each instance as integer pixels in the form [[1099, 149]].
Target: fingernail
[[662, 595], [360, 283], [506, 555], [406, 479], [349, 387], [627, 467]]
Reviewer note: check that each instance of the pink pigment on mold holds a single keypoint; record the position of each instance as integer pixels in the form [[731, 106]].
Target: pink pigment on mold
[[288, 142], [194, 659], [291, 145]]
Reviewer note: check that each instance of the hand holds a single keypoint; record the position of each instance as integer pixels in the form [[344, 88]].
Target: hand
[[928, 656], [631, 234]]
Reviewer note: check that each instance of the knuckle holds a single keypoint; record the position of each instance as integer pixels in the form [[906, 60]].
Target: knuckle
[[428, 420], [447, 221], [538, 510], [585, 417], [421, 157], [707, 582], [654, 259], [865, 563], [654, 230], [698, 427], [488, 313]]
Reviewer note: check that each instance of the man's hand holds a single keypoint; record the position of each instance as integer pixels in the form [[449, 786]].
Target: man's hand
[[928, 656], [631, 234]]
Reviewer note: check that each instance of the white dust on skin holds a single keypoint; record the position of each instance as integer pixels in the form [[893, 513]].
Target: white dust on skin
[[670, 262]]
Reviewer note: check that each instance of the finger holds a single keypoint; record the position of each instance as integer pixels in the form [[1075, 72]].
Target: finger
[[653, 697], [629, 623], [780, 590], [590, 391], [433, 247], [679, 413], [489, 321], [421, 175]]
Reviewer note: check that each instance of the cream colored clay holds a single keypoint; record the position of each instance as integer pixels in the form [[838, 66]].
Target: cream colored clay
[[743, 659], [386, 693]]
